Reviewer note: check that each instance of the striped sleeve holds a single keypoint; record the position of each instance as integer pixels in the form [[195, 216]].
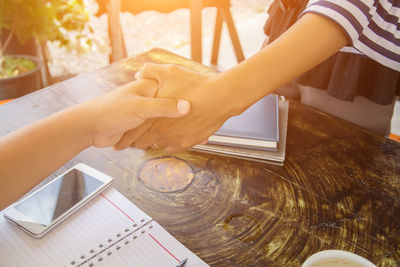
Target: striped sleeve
[[372, 25]]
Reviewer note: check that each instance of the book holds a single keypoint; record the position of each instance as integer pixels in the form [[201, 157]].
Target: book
[[264, 156], [108, 231], [256, 128]]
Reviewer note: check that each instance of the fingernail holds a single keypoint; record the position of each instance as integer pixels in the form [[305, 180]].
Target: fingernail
[[204, 142], [183, 106], [137, 75], [114, 148]]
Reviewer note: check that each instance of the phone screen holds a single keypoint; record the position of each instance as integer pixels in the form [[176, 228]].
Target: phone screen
[[50, 202]]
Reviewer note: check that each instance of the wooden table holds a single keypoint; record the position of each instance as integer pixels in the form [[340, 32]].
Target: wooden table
[[339, 187]]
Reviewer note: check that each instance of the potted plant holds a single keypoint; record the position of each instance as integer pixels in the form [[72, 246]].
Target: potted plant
[[40, 21]]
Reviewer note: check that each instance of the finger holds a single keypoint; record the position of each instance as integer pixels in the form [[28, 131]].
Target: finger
[[131, 136], [161, 72], [175, 141], [204, 142], [149, 137], [146, 88], [152, 71], [194, 139], [149, 108], [158, 71], [159, 133], [163, 136]]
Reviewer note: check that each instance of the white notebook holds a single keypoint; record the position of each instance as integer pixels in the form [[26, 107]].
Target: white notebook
[[108, 231]]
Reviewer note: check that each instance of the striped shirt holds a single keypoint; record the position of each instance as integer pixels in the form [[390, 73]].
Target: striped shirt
[[373, 26]]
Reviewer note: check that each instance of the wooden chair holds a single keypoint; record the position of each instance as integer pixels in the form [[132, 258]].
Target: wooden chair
[[118, 50]]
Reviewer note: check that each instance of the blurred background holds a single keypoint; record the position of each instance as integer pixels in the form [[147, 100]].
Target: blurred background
[[171, 31]]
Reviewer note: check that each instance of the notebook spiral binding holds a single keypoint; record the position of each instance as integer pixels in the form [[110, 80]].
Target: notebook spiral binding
[[110, 244]]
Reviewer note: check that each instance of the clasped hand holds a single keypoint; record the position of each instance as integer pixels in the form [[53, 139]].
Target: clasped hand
[[206, 114], [111, 115]]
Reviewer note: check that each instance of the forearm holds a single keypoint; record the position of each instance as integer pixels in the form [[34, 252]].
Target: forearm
[[306, 44], [32, 153]]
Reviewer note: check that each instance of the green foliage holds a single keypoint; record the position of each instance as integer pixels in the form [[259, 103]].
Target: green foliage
[[44, 20], [15, 66]]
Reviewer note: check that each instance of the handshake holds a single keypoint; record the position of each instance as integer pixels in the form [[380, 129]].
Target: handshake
[[167, 107]]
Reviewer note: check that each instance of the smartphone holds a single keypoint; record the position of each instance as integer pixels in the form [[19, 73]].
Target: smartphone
[[42, 210]]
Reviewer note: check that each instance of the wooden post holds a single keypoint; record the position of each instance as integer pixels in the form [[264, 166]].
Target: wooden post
[[195, 30], [217, 37], [117, 43], [227, 16], [45, 56]]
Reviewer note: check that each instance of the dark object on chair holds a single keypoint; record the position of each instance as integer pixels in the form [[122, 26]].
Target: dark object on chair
[[118, 50]]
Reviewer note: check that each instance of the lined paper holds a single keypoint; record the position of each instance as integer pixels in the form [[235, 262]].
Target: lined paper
[[108, 231]]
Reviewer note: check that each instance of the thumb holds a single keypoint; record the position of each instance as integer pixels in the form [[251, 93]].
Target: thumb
[[162, 107]]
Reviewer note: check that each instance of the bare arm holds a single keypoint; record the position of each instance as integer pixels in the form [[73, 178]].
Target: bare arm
[[30, 154], [213, 100], [310, 41]]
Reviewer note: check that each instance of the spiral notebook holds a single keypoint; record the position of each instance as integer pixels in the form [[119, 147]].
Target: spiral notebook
[[108, 231]]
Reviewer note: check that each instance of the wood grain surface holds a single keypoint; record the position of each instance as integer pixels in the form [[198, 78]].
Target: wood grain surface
[[338, 189]]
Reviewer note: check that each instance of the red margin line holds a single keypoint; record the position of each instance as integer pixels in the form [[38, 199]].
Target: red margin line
[[164, 248], [117, 207]]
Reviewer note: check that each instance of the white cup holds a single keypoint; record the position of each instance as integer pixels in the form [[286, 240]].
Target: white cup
[[336, 258]]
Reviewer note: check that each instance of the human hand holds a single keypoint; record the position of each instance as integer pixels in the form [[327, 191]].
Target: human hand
[[206, 116], [111, 115]]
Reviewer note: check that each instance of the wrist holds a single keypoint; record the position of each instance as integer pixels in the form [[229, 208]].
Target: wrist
[[80, 125], [232, 93]]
